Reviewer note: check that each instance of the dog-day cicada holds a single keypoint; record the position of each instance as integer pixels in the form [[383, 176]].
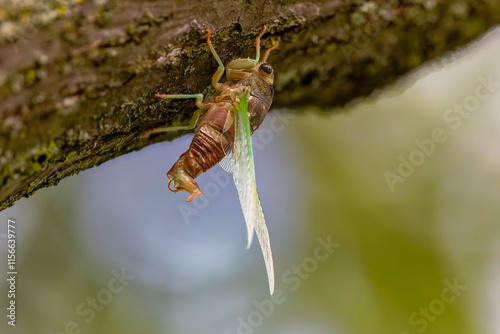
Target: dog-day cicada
[[223, 127]]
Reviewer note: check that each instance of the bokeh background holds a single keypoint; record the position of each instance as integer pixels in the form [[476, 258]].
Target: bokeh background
[[420, 256]]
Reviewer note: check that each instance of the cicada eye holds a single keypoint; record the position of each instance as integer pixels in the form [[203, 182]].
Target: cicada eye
[[266, 68]]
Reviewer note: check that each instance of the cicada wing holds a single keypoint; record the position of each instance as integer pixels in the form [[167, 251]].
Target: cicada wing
[[227, 144], [243, 168], [265, 244], [226, 163], [244, 179]]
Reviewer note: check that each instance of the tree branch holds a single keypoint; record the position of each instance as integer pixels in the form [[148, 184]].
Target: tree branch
[[77, 80]]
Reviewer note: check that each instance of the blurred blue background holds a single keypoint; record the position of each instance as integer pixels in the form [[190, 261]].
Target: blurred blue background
[[112, 250]]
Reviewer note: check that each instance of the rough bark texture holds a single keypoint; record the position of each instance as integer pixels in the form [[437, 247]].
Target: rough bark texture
[[77, 78]]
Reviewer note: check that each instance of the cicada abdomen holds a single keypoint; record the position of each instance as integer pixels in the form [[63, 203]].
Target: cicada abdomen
[[205, 151]]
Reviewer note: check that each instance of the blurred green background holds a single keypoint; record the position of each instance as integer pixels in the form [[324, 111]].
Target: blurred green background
[[413, 251]]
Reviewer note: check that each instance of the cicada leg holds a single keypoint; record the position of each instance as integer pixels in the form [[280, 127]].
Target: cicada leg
[[194, 119], [220, 71], [192, 125], [257, 45], [268, 51], [198, 97]]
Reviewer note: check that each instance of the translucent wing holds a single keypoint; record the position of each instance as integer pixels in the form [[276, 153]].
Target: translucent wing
[[244, 179], [227, 162], [243, 168], [265, 244]]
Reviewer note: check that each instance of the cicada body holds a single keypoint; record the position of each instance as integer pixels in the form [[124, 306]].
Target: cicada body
[[228, 119], [211, 138]]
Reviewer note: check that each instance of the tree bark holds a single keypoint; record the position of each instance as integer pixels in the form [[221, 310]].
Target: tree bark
[[77, 79]]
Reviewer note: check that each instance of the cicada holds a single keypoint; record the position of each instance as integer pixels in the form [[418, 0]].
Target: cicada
[[223, 127]]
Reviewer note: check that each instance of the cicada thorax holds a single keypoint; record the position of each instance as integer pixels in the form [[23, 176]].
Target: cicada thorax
[[213, 137]]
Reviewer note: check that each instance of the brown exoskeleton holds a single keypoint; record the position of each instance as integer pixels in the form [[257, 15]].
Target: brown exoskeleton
[[227, 120]]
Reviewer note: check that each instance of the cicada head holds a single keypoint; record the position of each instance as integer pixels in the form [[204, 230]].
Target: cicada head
[[243, 68]]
